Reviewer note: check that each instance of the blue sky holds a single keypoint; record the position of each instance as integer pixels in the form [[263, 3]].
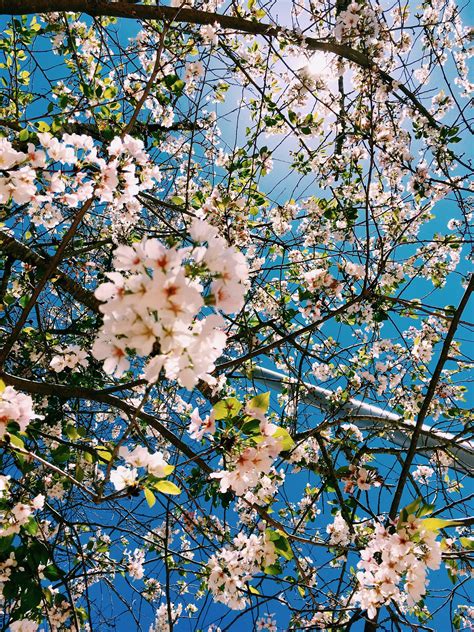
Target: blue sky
[[281, 191]]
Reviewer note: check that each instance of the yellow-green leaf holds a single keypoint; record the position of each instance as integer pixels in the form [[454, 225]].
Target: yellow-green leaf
[[425, 510], [273, 569], [412, 508], [259, 402], [435, 524], [16, 442], [178, 200], [280, 542], [409, 510], [150, 497], [229, 407], [2, 386], [104, 454], [71, 432], [286, 441], [42, 126], [167, 487], [467, 543]]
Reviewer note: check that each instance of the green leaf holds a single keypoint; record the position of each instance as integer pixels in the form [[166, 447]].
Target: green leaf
[[174, 84], [31, 526], [88, 457], [178, 86], [178, 200], [24, 300], [280, 542], [425, 510], [104, 454], [167, 487], [71, 432], [227, 408], [260, 402], [41, 126], [272, 535], [286, 441], [251, 427], [467, 543], [16, 442], [31, 597], [61, 454], [38, 552], [273, 569], [435, 524], [409, 510], [150, 497], [52, 572], [5, 543], [282, 546]]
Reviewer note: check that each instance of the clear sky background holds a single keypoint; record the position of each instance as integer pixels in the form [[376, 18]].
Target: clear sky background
[[283, 186]]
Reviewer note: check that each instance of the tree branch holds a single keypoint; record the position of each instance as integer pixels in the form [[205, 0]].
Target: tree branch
[[65, 392], [428, 398], [10, 246], [121, 9]]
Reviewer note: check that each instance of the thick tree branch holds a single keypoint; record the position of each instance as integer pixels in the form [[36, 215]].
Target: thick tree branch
[[65, 392], [97, 8], [10, 246], [48, 272], [78, 127]]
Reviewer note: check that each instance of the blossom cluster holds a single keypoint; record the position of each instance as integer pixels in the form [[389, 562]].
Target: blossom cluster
[[68, 172], [161, 623], [339, 532], [247, 464], [135, 561], [394, 565], [123, 477], [423, 473], [266, 623], [23, 625], [152, 303], [70, 357], [198, 427], [15, 407], [12, 519], [357, 20], [361, 477], [233, 566]]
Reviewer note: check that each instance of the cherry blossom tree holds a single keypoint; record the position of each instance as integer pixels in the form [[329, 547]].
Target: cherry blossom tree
[[234, 315]]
